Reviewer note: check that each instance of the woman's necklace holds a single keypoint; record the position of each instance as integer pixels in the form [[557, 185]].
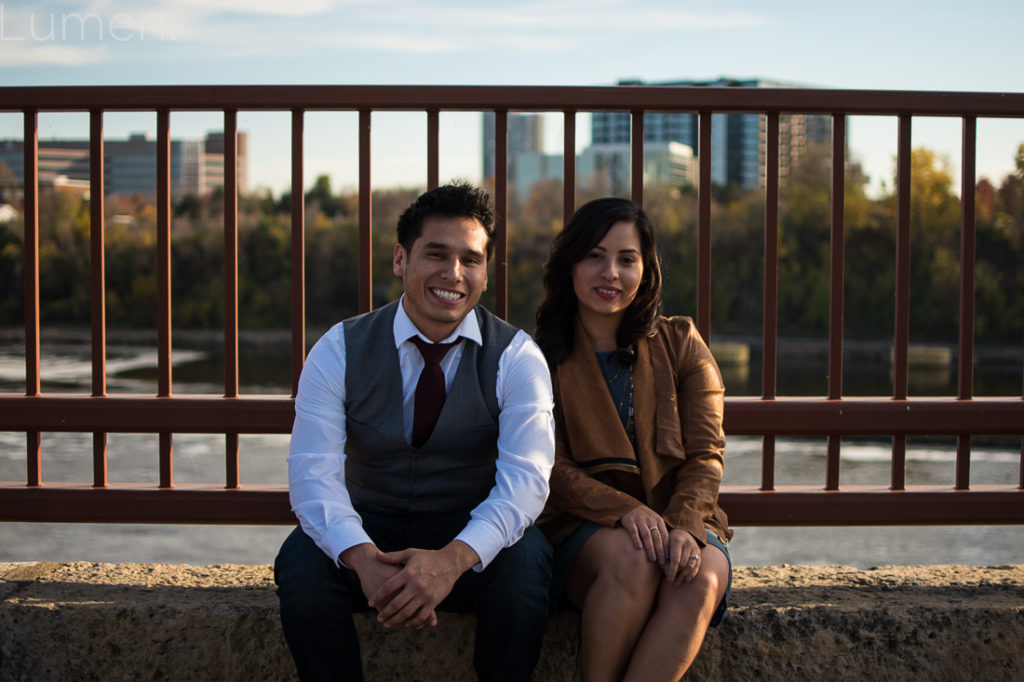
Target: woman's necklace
[[622, 395]]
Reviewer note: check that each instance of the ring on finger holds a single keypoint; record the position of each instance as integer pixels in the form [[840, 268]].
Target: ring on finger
[[653, 528], [693, 557]]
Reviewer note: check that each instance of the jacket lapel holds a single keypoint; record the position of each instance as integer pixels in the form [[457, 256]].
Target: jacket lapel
[[596, 437]]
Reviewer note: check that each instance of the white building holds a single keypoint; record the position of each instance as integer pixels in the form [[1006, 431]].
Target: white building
[[605, 168]]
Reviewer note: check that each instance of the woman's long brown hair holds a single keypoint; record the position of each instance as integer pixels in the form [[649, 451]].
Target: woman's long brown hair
[[556, 316]]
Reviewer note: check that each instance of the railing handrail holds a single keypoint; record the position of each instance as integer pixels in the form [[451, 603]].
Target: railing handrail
[[516, 98]]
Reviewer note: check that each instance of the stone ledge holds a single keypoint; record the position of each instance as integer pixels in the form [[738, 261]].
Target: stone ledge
[[87, 621]]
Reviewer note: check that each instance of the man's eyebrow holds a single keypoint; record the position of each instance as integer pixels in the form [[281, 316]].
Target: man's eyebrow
[[447, 247]]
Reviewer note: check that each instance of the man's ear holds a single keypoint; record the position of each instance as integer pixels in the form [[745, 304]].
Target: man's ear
[[399, 259]]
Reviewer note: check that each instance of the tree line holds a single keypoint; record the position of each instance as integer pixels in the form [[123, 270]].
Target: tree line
[[737, 218]]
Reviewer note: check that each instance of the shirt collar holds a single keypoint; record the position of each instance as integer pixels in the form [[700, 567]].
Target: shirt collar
[[404, 328]]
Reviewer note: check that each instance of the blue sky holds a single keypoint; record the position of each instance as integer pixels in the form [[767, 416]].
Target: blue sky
[[936, 45]]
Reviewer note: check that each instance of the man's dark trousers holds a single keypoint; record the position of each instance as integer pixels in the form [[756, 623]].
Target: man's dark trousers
[[510, 598]]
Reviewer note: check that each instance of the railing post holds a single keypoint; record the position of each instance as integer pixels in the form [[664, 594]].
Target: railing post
[[568, 165], [770, 332], [365, 215], [902, 322], [231, 287], [501, 213], [230, 253], [636, 156], [298, 241], [836, 283], [433, 149], [704, 227], [30, 148], [97, 267], [965, 373], [163, 258]]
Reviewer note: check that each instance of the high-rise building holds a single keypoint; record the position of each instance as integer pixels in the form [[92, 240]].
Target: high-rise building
[[525, 135], [737, 140], [527, 162], [129, 166]]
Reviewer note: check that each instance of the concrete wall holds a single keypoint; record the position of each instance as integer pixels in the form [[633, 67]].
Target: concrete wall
[[84, 621]]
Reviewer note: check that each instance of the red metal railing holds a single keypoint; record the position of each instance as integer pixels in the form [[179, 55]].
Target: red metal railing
[[769, 416]]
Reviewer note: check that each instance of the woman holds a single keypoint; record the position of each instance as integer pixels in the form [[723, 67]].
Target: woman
[[633, 514]]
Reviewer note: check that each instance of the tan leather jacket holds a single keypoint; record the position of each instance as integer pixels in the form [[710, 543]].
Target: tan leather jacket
[[678, 401]]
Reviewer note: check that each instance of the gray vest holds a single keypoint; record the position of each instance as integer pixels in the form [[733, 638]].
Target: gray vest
[[454, 470]]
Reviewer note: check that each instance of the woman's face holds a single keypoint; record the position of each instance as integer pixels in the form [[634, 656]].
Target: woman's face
[[607, 279]]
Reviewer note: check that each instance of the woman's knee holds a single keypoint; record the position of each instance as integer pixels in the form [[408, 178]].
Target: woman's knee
[[703, 592], [617, 561]]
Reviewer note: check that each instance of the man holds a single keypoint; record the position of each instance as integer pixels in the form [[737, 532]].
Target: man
[[405, 515]]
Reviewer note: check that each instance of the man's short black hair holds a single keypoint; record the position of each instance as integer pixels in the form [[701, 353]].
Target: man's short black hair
[[455, 200]]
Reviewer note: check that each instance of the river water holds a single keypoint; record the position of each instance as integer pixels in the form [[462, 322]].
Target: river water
[[200, 459]]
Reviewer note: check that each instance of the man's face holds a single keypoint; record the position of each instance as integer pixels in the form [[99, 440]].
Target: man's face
[[443, 274]]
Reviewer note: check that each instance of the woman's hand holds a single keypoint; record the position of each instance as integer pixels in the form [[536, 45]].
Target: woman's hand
[[684, 556], [648, 532]]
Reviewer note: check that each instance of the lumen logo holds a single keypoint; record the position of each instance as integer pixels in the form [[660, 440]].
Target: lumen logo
[[41, 27]]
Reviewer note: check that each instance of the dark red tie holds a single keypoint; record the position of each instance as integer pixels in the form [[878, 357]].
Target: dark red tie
[[429, 390]]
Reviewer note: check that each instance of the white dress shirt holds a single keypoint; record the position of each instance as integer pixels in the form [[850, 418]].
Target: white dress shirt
[[316, 462]]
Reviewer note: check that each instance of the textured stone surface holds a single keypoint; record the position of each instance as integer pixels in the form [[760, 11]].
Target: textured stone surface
[[87, 621]]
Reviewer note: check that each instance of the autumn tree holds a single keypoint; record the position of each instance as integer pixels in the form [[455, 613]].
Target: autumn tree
[[999, 279], [8, 182]]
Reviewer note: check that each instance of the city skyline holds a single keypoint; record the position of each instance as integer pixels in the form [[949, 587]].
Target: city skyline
[[196, 165], [900, 46]]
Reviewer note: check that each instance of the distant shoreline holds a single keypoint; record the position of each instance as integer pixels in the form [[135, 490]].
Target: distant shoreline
[[208, 339]]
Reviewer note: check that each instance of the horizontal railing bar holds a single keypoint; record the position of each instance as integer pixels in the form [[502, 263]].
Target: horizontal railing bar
[[863, 506], [79, 503], [748, 506], [525, 98], [146, 414], [743, 416], [874, 416]]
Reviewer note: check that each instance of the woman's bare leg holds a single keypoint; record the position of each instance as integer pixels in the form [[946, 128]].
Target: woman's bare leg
[[614, 585], [681, 617]]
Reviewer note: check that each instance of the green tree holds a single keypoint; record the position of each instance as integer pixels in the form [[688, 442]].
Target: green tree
[[935, 248], [12, 288], [64, 265], [805, 217]]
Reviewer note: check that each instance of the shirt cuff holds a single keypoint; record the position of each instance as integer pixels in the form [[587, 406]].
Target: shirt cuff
[[342, 536], [484, 540]]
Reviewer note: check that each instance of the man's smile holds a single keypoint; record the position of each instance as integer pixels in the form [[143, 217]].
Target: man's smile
[[447, 294]]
